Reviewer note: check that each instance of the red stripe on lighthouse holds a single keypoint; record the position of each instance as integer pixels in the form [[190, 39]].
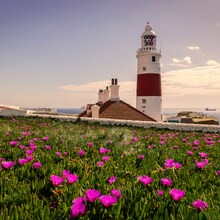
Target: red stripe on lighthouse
[[148, 84]]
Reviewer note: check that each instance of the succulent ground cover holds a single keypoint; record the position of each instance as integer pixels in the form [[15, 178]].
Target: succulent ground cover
[[61, 170]]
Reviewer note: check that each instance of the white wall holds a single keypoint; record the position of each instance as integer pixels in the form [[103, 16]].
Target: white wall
[[152, 106]]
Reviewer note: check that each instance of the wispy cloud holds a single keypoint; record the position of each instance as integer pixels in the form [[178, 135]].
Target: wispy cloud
[[186, 61], [212, 63], [90, 90], [193, 48], [181, 88], [195, 80]]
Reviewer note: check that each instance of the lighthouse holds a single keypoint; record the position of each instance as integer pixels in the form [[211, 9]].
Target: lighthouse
[[148, 98]]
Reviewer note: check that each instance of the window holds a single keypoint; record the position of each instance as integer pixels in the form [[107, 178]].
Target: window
[[143, 111], [143, 106], [153, 58], [144, 68], [143, 101]]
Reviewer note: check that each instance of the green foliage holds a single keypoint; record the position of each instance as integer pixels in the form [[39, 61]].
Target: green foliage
[[27, 193]]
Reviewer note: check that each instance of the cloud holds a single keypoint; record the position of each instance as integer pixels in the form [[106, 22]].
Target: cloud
[[88, 92], [186, 61], [186, 87], [190, 82], [212, 63], [193, 48]]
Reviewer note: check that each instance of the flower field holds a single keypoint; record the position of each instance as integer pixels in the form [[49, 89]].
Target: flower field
[[63, 170]]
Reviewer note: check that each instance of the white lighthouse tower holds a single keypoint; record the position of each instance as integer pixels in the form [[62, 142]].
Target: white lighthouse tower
[[149, 99]]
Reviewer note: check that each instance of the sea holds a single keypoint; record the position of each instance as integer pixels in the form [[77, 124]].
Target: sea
[[166, 111]]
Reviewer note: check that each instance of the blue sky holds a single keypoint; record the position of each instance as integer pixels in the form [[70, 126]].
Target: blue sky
[[58, 53]]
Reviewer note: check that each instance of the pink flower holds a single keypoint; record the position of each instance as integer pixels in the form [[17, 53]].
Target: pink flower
[[150, 147], [199, 204], [82, 199], [58, 154], [177, 165], [135, 139], [196, 142], [116, 193], [171, 163], [45, 138], [160, 192], [66, 173], [92, 194], [2, 159], [145, 179], [177, 194], [78, 207], [166, 182], [175, 147], [37, 165], [105, 158], [29, 158], [100, 164], [25, 133], [56, 180], [217, 173], [112, 179], [190, 153], [29, 152], [71, 178], [48, 147], [13, 143], [141, 157], [81, 153], [22, 161], [103, 150], [33, 147], [108, 200], [90, 144], [200, 164], [23, 147], [65, 153], [8, 164], [202, 155]]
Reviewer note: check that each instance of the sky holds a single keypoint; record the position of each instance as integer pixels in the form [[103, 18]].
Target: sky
[[59, 53]]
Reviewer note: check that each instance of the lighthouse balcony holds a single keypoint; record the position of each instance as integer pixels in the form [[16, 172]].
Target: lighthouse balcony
[[147, 49]]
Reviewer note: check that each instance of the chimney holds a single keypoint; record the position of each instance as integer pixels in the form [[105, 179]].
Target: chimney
[[101, 96], [114, 87], [95, 111], [106, 94]]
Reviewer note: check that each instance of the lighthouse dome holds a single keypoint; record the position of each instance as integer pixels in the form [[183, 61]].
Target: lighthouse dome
[[149, 30]]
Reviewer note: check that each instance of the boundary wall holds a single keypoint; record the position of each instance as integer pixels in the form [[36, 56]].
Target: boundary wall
[[13, 112], [143, 124]]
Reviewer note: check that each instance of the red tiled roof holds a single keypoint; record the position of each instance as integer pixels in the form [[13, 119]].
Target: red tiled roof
[[118, 110]]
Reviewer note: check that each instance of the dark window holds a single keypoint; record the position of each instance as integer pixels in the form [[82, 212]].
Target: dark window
[[143, 101], [144, 68], [153, 58]]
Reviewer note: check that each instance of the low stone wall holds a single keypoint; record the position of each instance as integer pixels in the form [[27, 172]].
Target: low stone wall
[[144, 124], [159, 125], [13, 112]]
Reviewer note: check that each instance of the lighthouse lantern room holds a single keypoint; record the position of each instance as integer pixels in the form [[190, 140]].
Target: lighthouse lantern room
[[149, 99]]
